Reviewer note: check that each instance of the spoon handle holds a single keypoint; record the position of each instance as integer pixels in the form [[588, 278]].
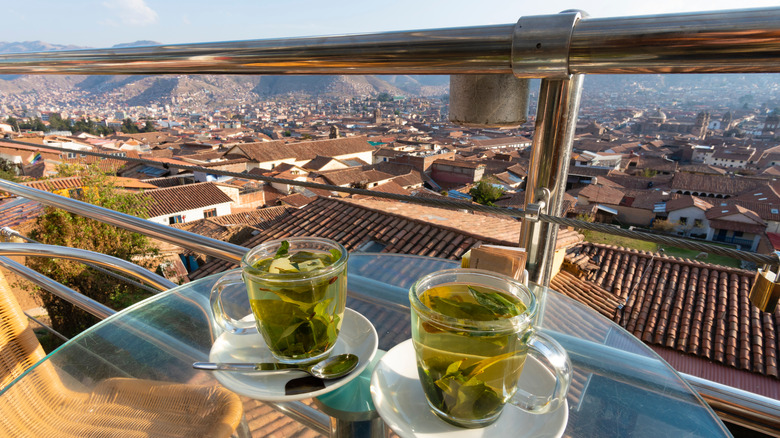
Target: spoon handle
[[267, 366]]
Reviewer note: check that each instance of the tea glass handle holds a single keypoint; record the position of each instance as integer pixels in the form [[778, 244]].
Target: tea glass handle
[[220, 316], [553, 357]]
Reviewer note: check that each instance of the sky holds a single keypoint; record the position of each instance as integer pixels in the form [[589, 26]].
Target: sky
[[104, 23]]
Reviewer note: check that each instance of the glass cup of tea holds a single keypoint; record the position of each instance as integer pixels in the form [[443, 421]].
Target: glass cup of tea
[[297, 291], [472, 331]]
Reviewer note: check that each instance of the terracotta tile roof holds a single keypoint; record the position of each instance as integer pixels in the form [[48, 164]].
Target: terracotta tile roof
[[459, 163], [567, 238], [168, 181], [587, 171], [636, 181], [659, 164], [17, 211], [296, 200], [53, 184], [409, 180], [687, 201], [764, 210], [502, 141], [390, 187], [278, 150], [342, 177], [766, 195], [182, 198], [600, 194], [50, 185], [320, 161], [353, 222], [480, 225], [259, 218], [690, 309], [719, 184], [587, 293], [702, 168], [720, 212], [150, 138], [518, 169]]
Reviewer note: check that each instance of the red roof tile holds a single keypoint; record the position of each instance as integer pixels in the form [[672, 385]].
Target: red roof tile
[[686, 308], [187, 197]]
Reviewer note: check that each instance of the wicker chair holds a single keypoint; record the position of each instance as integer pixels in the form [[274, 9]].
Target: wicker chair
[[41, 405]]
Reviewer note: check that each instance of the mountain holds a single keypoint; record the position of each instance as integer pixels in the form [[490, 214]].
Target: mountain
[[142, 90], [33, 46], [140, 43], [217, 90]]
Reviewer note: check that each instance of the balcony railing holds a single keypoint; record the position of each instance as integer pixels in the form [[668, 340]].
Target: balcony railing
[[558, 48]]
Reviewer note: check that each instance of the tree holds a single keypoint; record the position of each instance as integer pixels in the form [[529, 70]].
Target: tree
[[12, 122], [58, 227], [90, 127], [149, 127], [486, 192], [8, 170], [56, 123], [384, 97], [35, 124], [664, 225], [129, 127]]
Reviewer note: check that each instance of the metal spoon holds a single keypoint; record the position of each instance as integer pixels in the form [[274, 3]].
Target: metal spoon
[[330, 368]]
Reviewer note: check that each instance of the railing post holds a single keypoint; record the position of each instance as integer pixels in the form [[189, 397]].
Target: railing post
[[556, 118]]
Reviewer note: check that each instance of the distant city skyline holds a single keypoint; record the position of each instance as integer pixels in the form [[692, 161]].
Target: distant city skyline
[[104, 23]]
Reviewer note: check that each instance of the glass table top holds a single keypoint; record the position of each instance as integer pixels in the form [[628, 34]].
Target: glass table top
[[620, 386]]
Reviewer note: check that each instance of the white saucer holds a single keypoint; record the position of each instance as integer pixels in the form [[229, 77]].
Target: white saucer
[[400, 401], [357, 336]]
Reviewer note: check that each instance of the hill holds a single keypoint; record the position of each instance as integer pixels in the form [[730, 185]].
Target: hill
[[661, 90], [205, 89]]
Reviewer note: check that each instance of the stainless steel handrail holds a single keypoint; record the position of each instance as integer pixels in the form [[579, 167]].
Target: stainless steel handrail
[[232, 252], [81, 255], [83, 302], [740, 41], [185, 239]]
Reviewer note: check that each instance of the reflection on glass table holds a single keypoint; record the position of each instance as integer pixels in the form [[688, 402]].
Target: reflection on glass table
[[620, 386]]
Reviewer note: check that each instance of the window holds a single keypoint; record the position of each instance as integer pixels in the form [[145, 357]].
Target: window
[[683, 221], [211, 212], [697, 223], [175, 220], [738, 233]]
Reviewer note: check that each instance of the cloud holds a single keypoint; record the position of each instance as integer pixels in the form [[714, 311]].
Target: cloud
[[131, 12]]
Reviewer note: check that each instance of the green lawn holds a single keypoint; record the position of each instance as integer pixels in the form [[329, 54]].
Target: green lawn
[[642, 245]]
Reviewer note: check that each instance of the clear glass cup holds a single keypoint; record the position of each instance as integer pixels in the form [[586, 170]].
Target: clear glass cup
[[469, 359], [299, 314]]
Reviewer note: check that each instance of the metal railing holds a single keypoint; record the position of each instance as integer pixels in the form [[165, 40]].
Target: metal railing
[[557, 48], [546, 46]]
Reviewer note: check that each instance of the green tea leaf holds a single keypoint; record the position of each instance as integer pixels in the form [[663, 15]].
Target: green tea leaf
[[321, 309], [283, 249], [335, 255], [495, 303], [290, 330], [303, 256], [449, 307], [453, 368]]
